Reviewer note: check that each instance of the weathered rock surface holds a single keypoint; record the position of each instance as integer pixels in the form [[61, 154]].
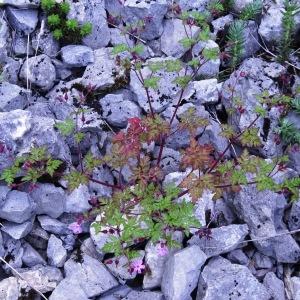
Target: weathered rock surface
[[220, 279], [182, 272]]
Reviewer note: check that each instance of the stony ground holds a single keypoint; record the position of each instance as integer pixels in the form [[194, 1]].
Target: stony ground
[[39, 249]]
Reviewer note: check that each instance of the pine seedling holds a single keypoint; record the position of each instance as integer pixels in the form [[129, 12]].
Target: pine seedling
[[291, 8], [236, 42], [252, 10]]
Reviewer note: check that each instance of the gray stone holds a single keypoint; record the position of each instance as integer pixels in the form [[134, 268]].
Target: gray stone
[[165, 95], [39, 71], [88, 247], [78, 200], [38, 237], [182, 272], [135, 295], [121, 269], [22, 20], [103, 73], [68, 289], [53, 225], [9, 288], [44, 42], [117, 110], [170, 159], [221, 23], [262, 262], [238, 256], [224, 239], [50, 200], [91, 11], [17, 231], [270, 28], [206, 91], [222, 280], [196, 5], [294, 216], [22, 3], [263, 213], [84, 279], [56, 253], [296, 287], [174, 32], [11, 71], [239, 5], [251, 38], [210, 68], [4, 38], [274, 286], [225, 212], [18, 207], [156, 264], [13, 97], [21, 46], [4, 190], [13, 252], [43, 278], [77, 55], [116, 294], [62, 71], [102, 173], [31, 257], [133, 11], [19, 131]]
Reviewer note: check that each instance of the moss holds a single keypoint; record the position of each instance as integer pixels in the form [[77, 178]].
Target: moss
[[65, 30]]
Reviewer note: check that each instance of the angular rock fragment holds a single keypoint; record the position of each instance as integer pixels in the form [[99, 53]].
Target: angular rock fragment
[[182, 272]]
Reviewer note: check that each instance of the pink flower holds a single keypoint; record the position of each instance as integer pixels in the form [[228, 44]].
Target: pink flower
[[162, 249], [75, 227], [137, 266]]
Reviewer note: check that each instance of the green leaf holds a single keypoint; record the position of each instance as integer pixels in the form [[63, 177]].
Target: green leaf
[[156, 66], [75, 179], [173, 65], [183, 81], [260, 111], [91, 162], [138, 49], [58, 34], [250, 138], [47, 5], [79, 136], [152, 82], [86, 29], [72, 24], [187, 42], [66, 127], [211, 53], [54, 20], [119, 49], [252, 10], [52, 166], [64, 7], [204, 35]]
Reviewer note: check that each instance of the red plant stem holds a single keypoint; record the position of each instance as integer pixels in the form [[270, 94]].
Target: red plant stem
[[229, 145], [105, 183]]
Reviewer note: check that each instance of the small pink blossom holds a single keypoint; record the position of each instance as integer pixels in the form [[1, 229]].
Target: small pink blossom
[[162, 249], [75, 227], [137, 266]]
